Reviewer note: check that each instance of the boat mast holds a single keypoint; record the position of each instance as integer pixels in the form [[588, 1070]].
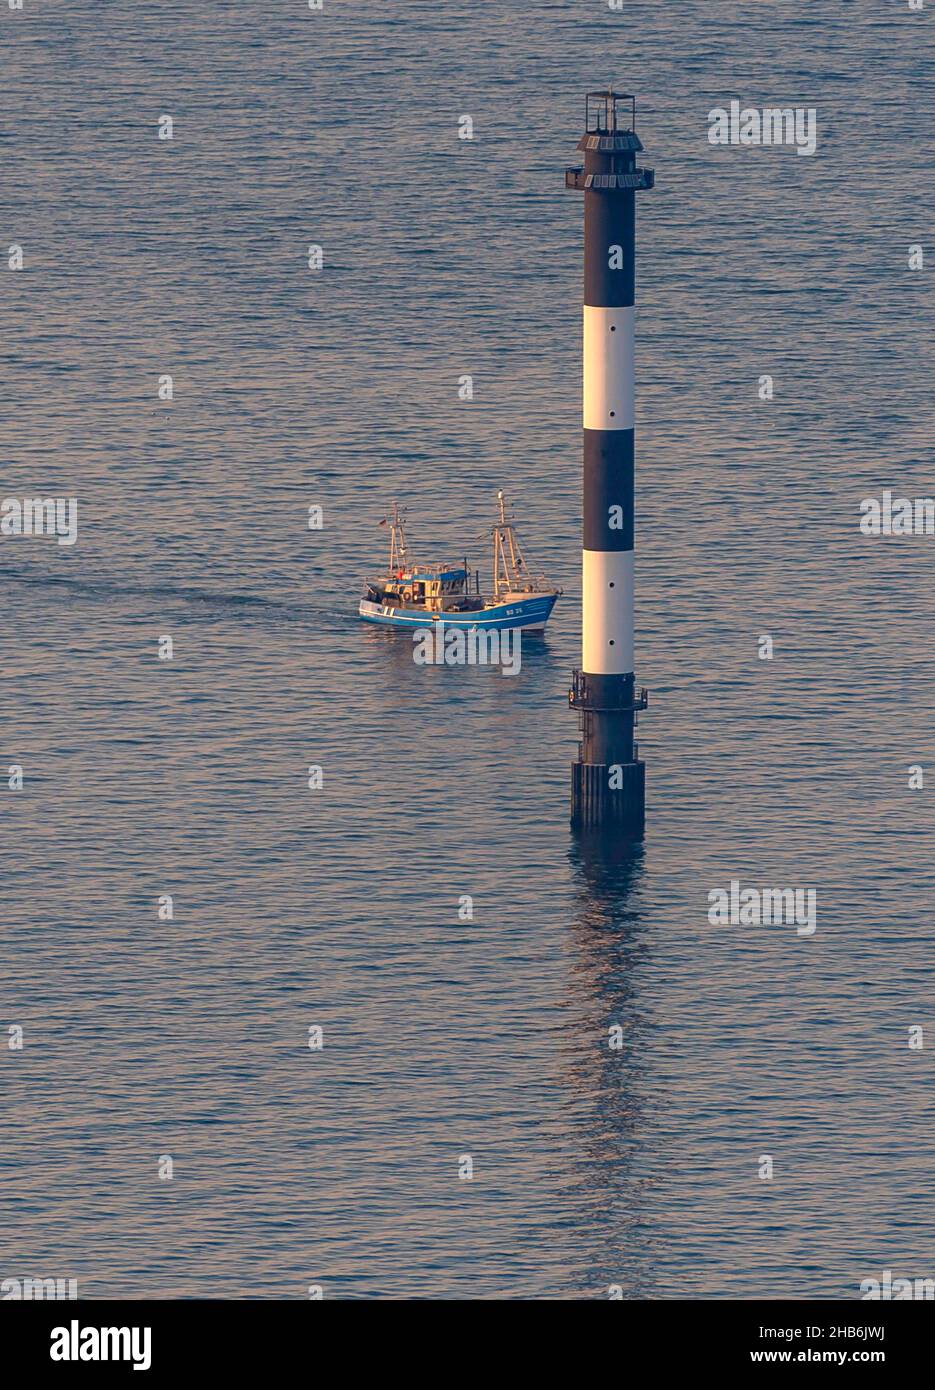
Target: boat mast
[[397, 542], [513, 570]]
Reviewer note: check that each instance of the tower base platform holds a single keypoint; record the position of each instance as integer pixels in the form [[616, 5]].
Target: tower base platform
[[612, 799]]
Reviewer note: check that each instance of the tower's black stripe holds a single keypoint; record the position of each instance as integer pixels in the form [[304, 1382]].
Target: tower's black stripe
[[609, 220], [608, 482]]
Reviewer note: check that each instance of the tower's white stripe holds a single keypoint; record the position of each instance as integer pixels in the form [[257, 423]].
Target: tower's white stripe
[[607, 600], [608, 368]]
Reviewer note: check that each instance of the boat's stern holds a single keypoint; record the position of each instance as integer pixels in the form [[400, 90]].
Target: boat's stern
[[372, 612]]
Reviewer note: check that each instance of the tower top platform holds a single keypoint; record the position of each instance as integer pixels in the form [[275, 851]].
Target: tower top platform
[[604, 113]]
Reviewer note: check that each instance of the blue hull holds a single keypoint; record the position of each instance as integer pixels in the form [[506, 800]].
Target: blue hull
[[528, 612]]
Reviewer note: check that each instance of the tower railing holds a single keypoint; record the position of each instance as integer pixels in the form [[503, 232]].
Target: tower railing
[[601, 109], [582, 696]]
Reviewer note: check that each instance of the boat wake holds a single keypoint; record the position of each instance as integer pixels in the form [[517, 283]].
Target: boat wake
[[203, 602]]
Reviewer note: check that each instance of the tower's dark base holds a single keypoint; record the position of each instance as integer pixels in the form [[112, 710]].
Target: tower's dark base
[[595, 803]]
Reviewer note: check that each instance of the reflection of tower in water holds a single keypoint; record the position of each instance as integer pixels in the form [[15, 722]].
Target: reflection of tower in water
[[610, 942]]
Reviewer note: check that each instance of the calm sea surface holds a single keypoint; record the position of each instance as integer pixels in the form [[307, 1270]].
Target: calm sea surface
[[339, 908]]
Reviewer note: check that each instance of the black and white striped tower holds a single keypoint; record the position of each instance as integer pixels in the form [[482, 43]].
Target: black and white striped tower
[[608, 779]]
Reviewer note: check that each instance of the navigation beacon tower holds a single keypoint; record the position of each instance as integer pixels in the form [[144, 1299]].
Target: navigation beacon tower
[[608, 780]]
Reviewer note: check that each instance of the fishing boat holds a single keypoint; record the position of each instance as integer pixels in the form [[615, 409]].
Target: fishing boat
[[415, 594]]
